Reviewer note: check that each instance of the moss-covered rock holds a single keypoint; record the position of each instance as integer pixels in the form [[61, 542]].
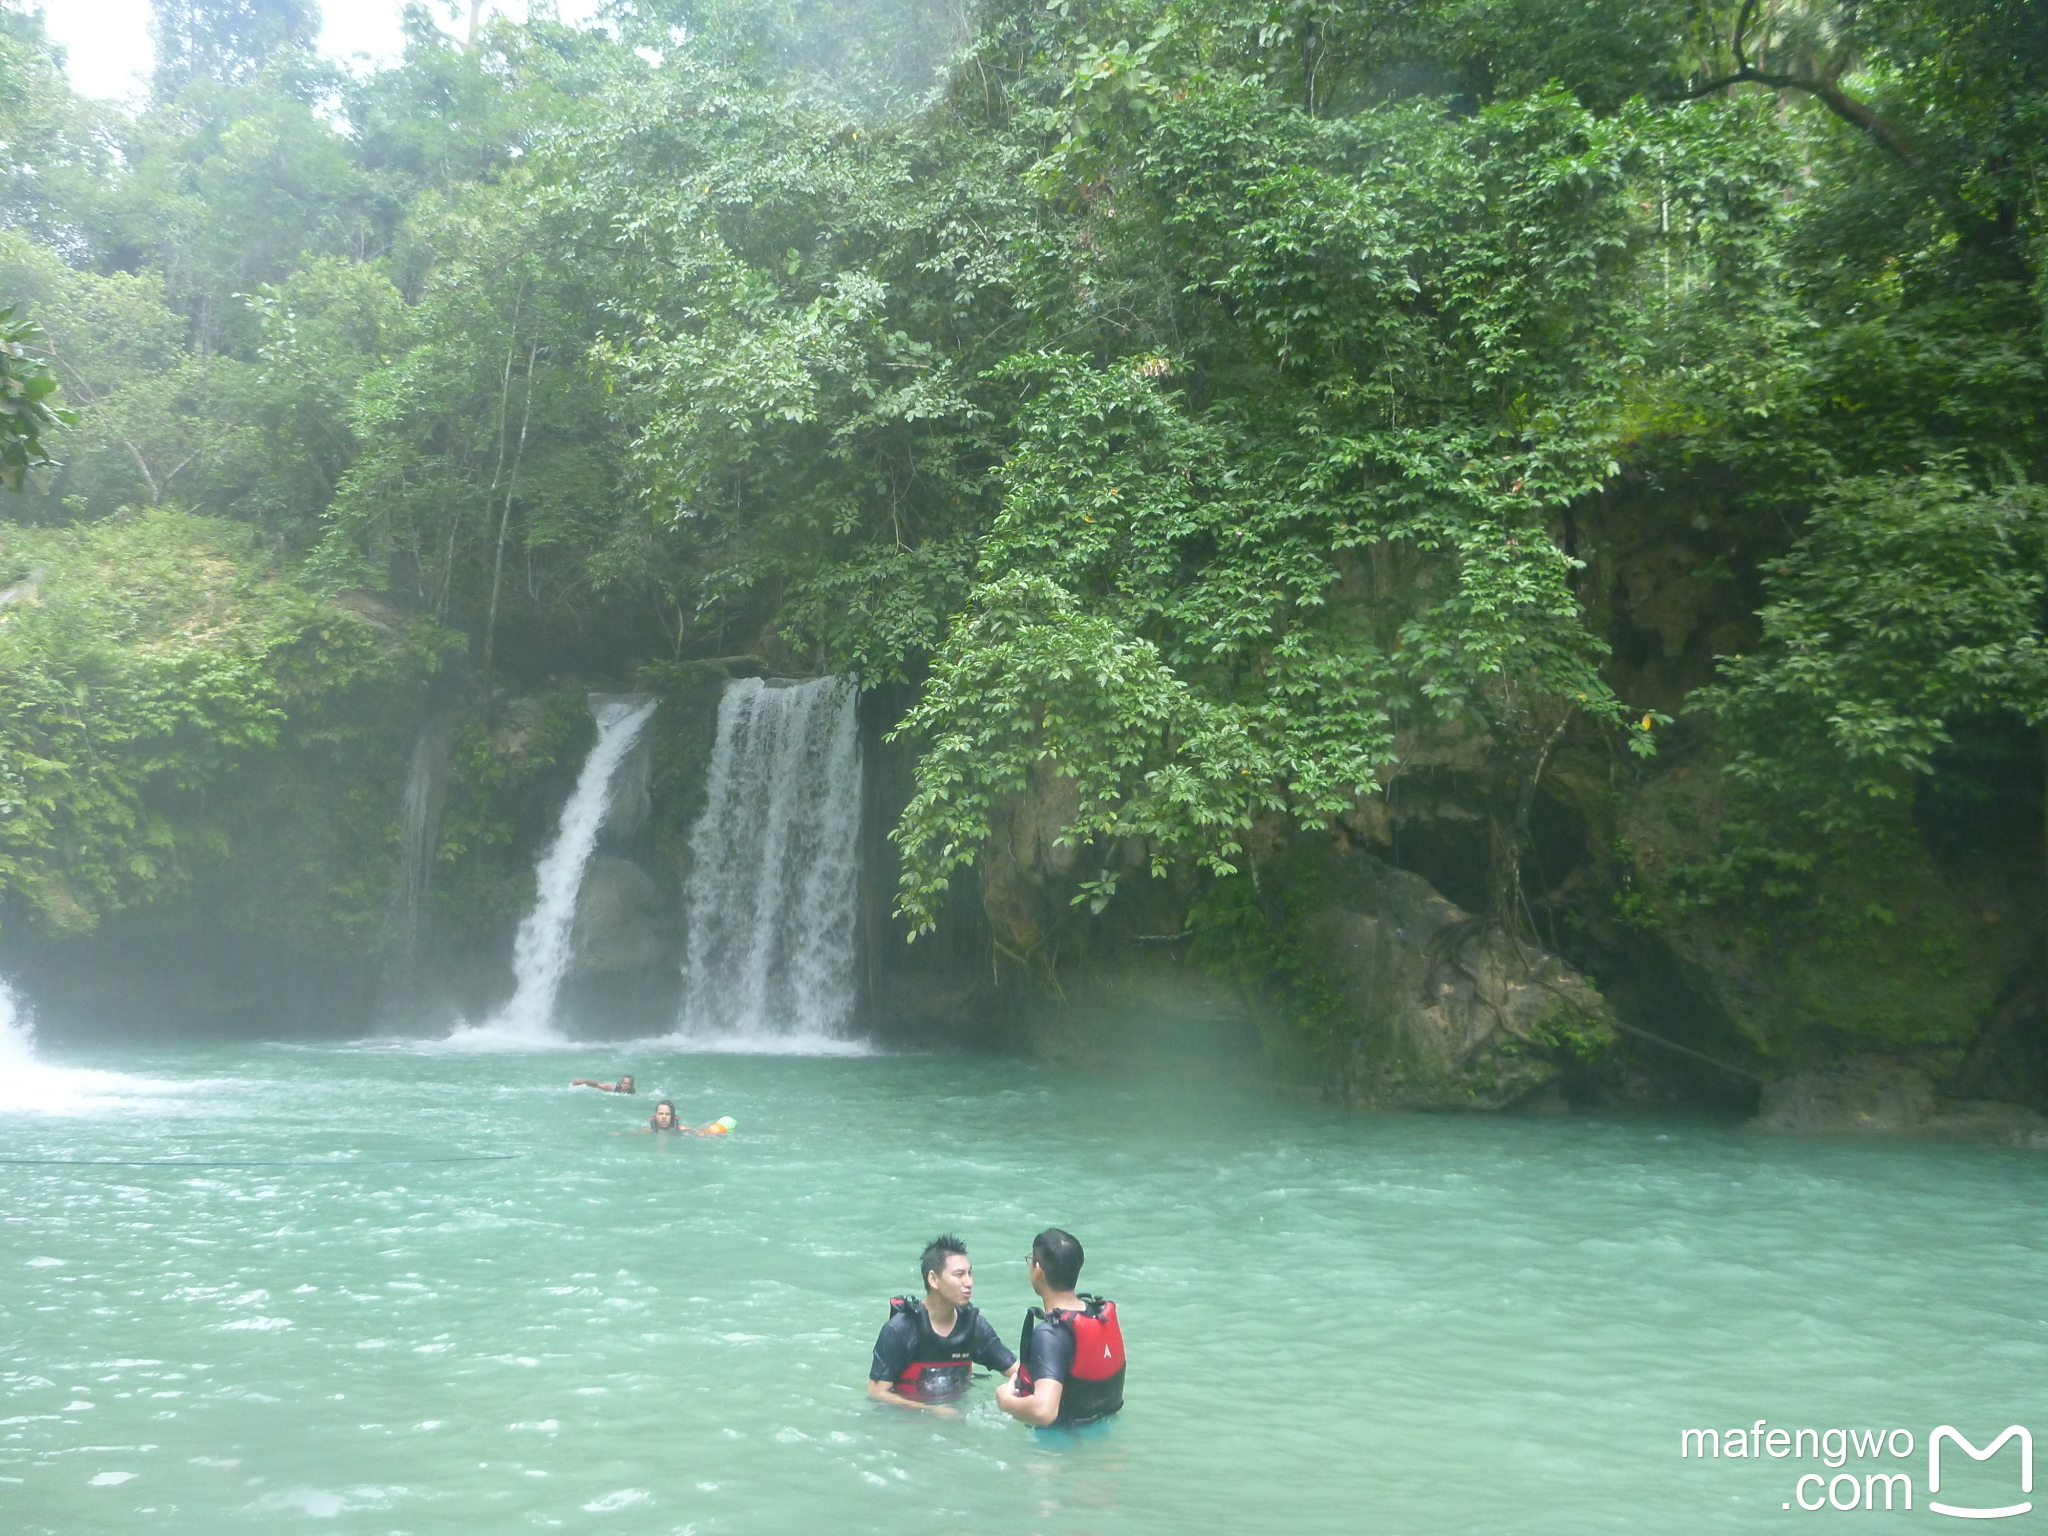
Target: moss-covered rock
[[1870, 946], [1431, 1009]]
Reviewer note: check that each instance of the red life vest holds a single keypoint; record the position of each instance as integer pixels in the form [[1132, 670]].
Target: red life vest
[[939, 1367], [1095, 1384]]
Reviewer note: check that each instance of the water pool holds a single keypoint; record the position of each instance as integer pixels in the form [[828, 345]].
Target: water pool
[[1337, 1323]]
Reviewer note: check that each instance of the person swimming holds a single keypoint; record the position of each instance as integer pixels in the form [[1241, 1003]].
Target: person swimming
[[664, 1118], [623, 1085]]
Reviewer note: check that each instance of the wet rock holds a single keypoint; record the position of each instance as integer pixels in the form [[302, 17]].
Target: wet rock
[[1878, 1094], [1863, 1094], [631, 805], [1436, 1010], [1027, 871], [620, 922], [2013, 1124], [1886, 952]]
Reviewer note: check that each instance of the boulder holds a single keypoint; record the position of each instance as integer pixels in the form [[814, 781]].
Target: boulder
[[1880, 1094], [1433, 1009], [1880, 950], [1866, 1093]]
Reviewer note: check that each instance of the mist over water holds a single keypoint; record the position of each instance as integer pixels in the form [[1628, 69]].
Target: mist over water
[[1337, 1323], [774, 865]]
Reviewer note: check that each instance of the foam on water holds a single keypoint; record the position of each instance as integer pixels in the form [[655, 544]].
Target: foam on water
[[31, 1085], [759, 1044], [17, 1030]]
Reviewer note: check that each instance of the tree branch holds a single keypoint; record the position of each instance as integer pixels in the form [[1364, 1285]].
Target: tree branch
[[1977, 231]]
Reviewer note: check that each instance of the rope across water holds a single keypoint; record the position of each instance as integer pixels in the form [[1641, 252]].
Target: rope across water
[[367, 1162]]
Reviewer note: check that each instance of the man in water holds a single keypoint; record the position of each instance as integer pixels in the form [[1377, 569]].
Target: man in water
[[623, 1085], [664, 1118], [927, 1351], [1073, 1347]]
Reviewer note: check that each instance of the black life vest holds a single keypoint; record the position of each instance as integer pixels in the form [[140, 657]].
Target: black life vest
[[939, 1367], [1095, 1384]]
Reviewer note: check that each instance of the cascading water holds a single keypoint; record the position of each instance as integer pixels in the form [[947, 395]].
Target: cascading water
[[17, 1032], [425, 775], [543, 949], [774, 869]]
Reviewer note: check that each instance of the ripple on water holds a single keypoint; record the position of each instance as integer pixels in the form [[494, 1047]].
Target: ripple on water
[[1337, 1323]]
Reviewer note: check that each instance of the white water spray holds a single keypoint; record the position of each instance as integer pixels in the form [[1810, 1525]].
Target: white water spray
[[543, 949], [17, 1032], [29, 1084], [774, 873]]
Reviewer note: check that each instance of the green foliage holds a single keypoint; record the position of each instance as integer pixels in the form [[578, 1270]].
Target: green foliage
[[26, 409], [1254, 938], [506, 786], [56, 149], [1171, 393], [1913, 604], [1409, 343], [148, 424], [225, 39], [149, 663]]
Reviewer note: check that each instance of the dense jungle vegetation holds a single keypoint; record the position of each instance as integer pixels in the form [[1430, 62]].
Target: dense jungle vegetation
[[1232, 409]]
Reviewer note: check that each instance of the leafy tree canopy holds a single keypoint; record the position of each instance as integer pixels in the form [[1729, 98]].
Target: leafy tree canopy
[[1179, 397]]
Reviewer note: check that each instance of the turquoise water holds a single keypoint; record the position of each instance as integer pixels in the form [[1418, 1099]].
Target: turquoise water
[[1336, 1323]]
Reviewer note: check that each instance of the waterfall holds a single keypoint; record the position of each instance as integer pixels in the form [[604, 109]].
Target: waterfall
[[542, 951], [774, 861], [425, 770], [17, 1032]]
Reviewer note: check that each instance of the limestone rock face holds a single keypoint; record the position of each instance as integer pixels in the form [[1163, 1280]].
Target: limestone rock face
[[1863, 1094], [1868, 1094], [1026, 872], [619, 918], [1887, 953], [1438, 1010], [631, 805]]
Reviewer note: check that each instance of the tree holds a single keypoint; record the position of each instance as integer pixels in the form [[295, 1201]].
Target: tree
[[148, 411], [228, 40], [1953, 92], [1915, 607]]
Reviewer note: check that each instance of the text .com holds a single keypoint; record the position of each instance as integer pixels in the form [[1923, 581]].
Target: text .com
[[1861, 1489]]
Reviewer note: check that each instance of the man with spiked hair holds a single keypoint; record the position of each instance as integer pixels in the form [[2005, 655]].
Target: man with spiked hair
[[927, 1350]]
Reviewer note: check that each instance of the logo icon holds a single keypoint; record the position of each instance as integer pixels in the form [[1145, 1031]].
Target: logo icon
[[1950, 1432]]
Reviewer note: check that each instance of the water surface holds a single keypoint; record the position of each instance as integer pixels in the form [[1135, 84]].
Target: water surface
[[1336, 1323]]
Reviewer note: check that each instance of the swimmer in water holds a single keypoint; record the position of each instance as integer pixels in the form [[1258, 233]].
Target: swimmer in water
[[623, 1085], [664, 1119]]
